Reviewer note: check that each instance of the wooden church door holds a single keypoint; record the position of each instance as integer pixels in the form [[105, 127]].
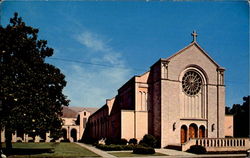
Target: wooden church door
[[202, 132], [183, 134], [193, 131]]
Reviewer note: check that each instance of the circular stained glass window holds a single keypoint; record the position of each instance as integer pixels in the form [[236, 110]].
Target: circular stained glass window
[[191, 83]]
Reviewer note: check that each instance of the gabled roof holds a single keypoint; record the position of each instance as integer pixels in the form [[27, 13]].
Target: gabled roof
[[79, 109], [199, 47], [72, 112], [69, 113]]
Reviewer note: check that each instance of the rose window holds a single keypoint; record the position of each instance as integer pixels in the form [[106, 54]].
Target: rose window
[[191, 83]]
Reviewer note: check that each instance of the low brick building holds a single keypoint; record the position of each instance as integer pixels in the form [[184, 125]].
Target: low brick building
[[74, 123]]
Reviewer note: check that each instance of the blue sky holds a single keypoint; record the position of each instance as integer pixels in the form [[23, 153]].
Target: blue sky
[[104, 44]]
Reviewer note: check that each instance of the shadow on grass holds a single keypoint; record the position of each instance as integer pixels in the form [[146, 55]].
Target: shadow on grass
[[27, 151]]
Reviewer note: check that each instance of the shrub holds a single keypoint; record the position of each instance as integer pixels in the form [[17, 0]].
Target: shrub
[[143, 144], [128, 147], [115, 147], [139, 149], [148, 140], [111, 147], [52, 140], [123, 141], [197, 149], [132, 141], [108, 141], [95, 144]]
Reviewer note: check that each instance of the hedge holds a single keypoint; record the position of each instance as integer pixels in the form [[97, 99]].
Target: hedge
[[197, 149], [139, 149], [115, 147], [132, 141], [122, 141]]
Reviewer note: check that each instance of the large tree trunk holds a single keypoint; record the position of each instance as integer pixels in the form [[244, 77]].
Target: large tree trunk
[[8, 138]]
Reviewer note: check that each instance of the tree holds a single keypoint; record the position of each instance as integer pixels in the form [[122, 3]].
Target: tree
[[30, 88], [241, 118]]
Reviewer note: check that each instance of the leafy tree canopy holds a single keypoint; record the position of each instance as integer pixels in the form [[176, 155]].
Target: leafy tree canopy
[[30, 89], [241, 118]]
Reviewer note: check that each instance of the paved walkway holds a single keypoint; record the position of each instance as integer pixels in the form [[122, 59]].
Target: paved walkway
[[97, 151], [170, 152]]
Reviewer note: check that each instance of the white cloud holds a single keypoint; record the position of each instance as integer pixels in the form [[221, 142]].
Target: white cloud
[[91, 41], [92, 85]]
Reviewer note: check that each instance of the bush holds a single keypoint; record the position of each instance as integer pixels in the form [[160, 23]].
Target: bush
[[95, 144], [132, 141], [148, 140], [111, 147], [123, 141], [197, 149], [52, 140], [128, 147], [143, 144], [115, 147], [108, 141], [139, 149]]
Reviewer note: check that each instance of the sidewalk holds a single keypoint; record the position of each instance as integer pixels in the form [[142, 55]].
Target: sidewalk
[[172, 152], [97, 151]]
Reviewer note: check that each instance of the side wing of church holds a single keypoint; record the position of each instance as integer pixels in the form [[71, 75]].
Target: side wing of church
[[179, 98]]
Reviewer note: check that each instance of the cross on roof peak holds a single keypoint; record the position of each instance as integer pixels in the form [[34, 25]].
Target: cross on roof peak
[[194, 34]]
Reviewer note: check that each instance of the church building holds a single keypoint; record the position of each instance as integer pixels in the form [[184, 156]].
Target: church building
[[180, 97]]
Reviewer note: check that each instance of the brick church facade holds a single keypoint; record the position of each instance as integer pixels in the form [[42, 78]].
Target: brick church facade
[[180, 97]]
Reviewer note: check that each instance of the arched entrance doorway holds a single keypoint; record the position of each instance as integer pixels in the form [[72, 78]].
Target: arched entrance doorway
[[202, 131], [73, 134], [193, 131], [183, 134], [64, 133]]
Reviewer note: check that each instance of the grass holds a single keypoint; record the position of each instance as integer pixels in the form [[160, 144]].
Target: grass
[[61, 150], [130, 154]]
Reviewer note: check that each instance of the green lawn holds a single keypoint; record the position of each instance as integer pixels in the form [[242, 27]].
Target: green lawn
[[130, 154], [62, 150]]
